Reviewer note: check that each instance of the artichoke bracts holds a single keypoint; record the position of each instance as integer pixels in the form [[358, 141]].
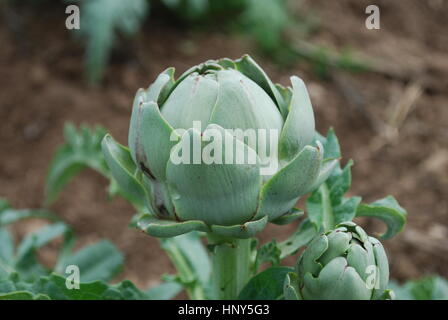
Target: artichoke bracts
[[342, 264], [211, 108]]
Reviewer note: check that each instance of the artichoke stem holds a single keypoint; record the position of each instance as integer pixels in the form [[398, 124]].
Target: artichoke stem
[[231, 259]]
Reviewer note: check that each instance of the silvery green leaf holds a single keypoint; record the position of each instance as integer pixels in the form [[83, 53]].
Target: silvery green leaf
[[242, 104], [98, 261], [267, 285], [299, 127], [387, 210], [290, 287], [167, 228], [193, 99], [122, 167], [336, 281], [282, 191], [6, 248], [242, 231], [156, 139], [304, 234], [252, 70], [82, 149], [217, 193]]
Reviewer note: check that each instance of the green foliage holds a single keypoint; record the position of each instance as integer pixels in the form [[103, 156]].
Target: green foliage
[[81, 150], [23, 277], [191, 261], [98, 261], [267, 285], [101, 20], [327, 206], [265, 21], [298, 239], [427, 288], [9, 215], [189, 9], [186, 252], [53, 287], [268, 252], [389, 211]]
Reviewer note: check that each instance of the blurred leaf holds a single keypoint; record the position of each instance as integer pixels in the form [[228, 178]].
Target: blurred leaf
[[188, 253], [265, 21], [82, 149], [23, 295], [164, 291], [123, 168], [267, 285], [327, 205], [427, 288], [54, 287], [268, 252], [387, 210], [189, 9], [100, 20], [304, 234], [26, 261], [6, 247], [9, 215], [99, 261]]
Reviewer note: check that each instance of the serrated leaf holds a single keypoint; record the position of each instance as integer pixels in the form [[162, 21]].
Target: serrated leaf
[[54, 287], [40, 238], [81, 150], [100, 20], [268, 252], [99, 261], [267, 285], [25, 261], [326, 205], [387, 210], [346, 210], [304, 234]]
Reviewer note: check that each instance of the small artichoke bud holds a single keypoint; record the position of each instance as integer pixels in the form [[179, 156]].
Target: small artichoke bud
[[342, 264], [216, 192]]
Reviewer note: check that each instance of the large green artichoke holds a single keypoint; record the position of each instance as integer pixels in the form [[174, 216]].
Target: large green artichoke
[[342, 264], [234, 199]]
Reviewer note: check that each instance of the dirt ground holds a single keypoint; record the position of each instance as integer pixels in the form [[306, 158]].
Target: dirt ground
[[42, 87]]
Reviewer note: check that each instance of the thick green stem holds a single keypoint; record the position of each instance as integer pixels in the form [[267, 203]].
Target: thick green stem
[[231, 260], [327, 214]]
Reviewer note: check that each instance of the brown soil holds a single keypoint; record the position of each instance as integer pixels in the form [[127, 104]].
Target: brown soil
[[42, 87]]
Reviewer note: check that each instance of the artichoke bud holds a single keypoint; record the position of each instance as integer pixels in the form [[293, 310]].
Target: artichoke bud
[[342, 264], [217, 188]]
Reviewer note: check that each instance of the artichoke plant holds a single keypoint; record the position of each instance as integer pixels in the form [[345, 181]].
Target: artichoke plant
[[229, 198], [341, 264]]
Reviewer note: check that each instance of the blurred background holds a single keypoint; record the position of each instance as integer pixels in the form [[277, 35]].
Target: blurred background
[[384, 91]]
